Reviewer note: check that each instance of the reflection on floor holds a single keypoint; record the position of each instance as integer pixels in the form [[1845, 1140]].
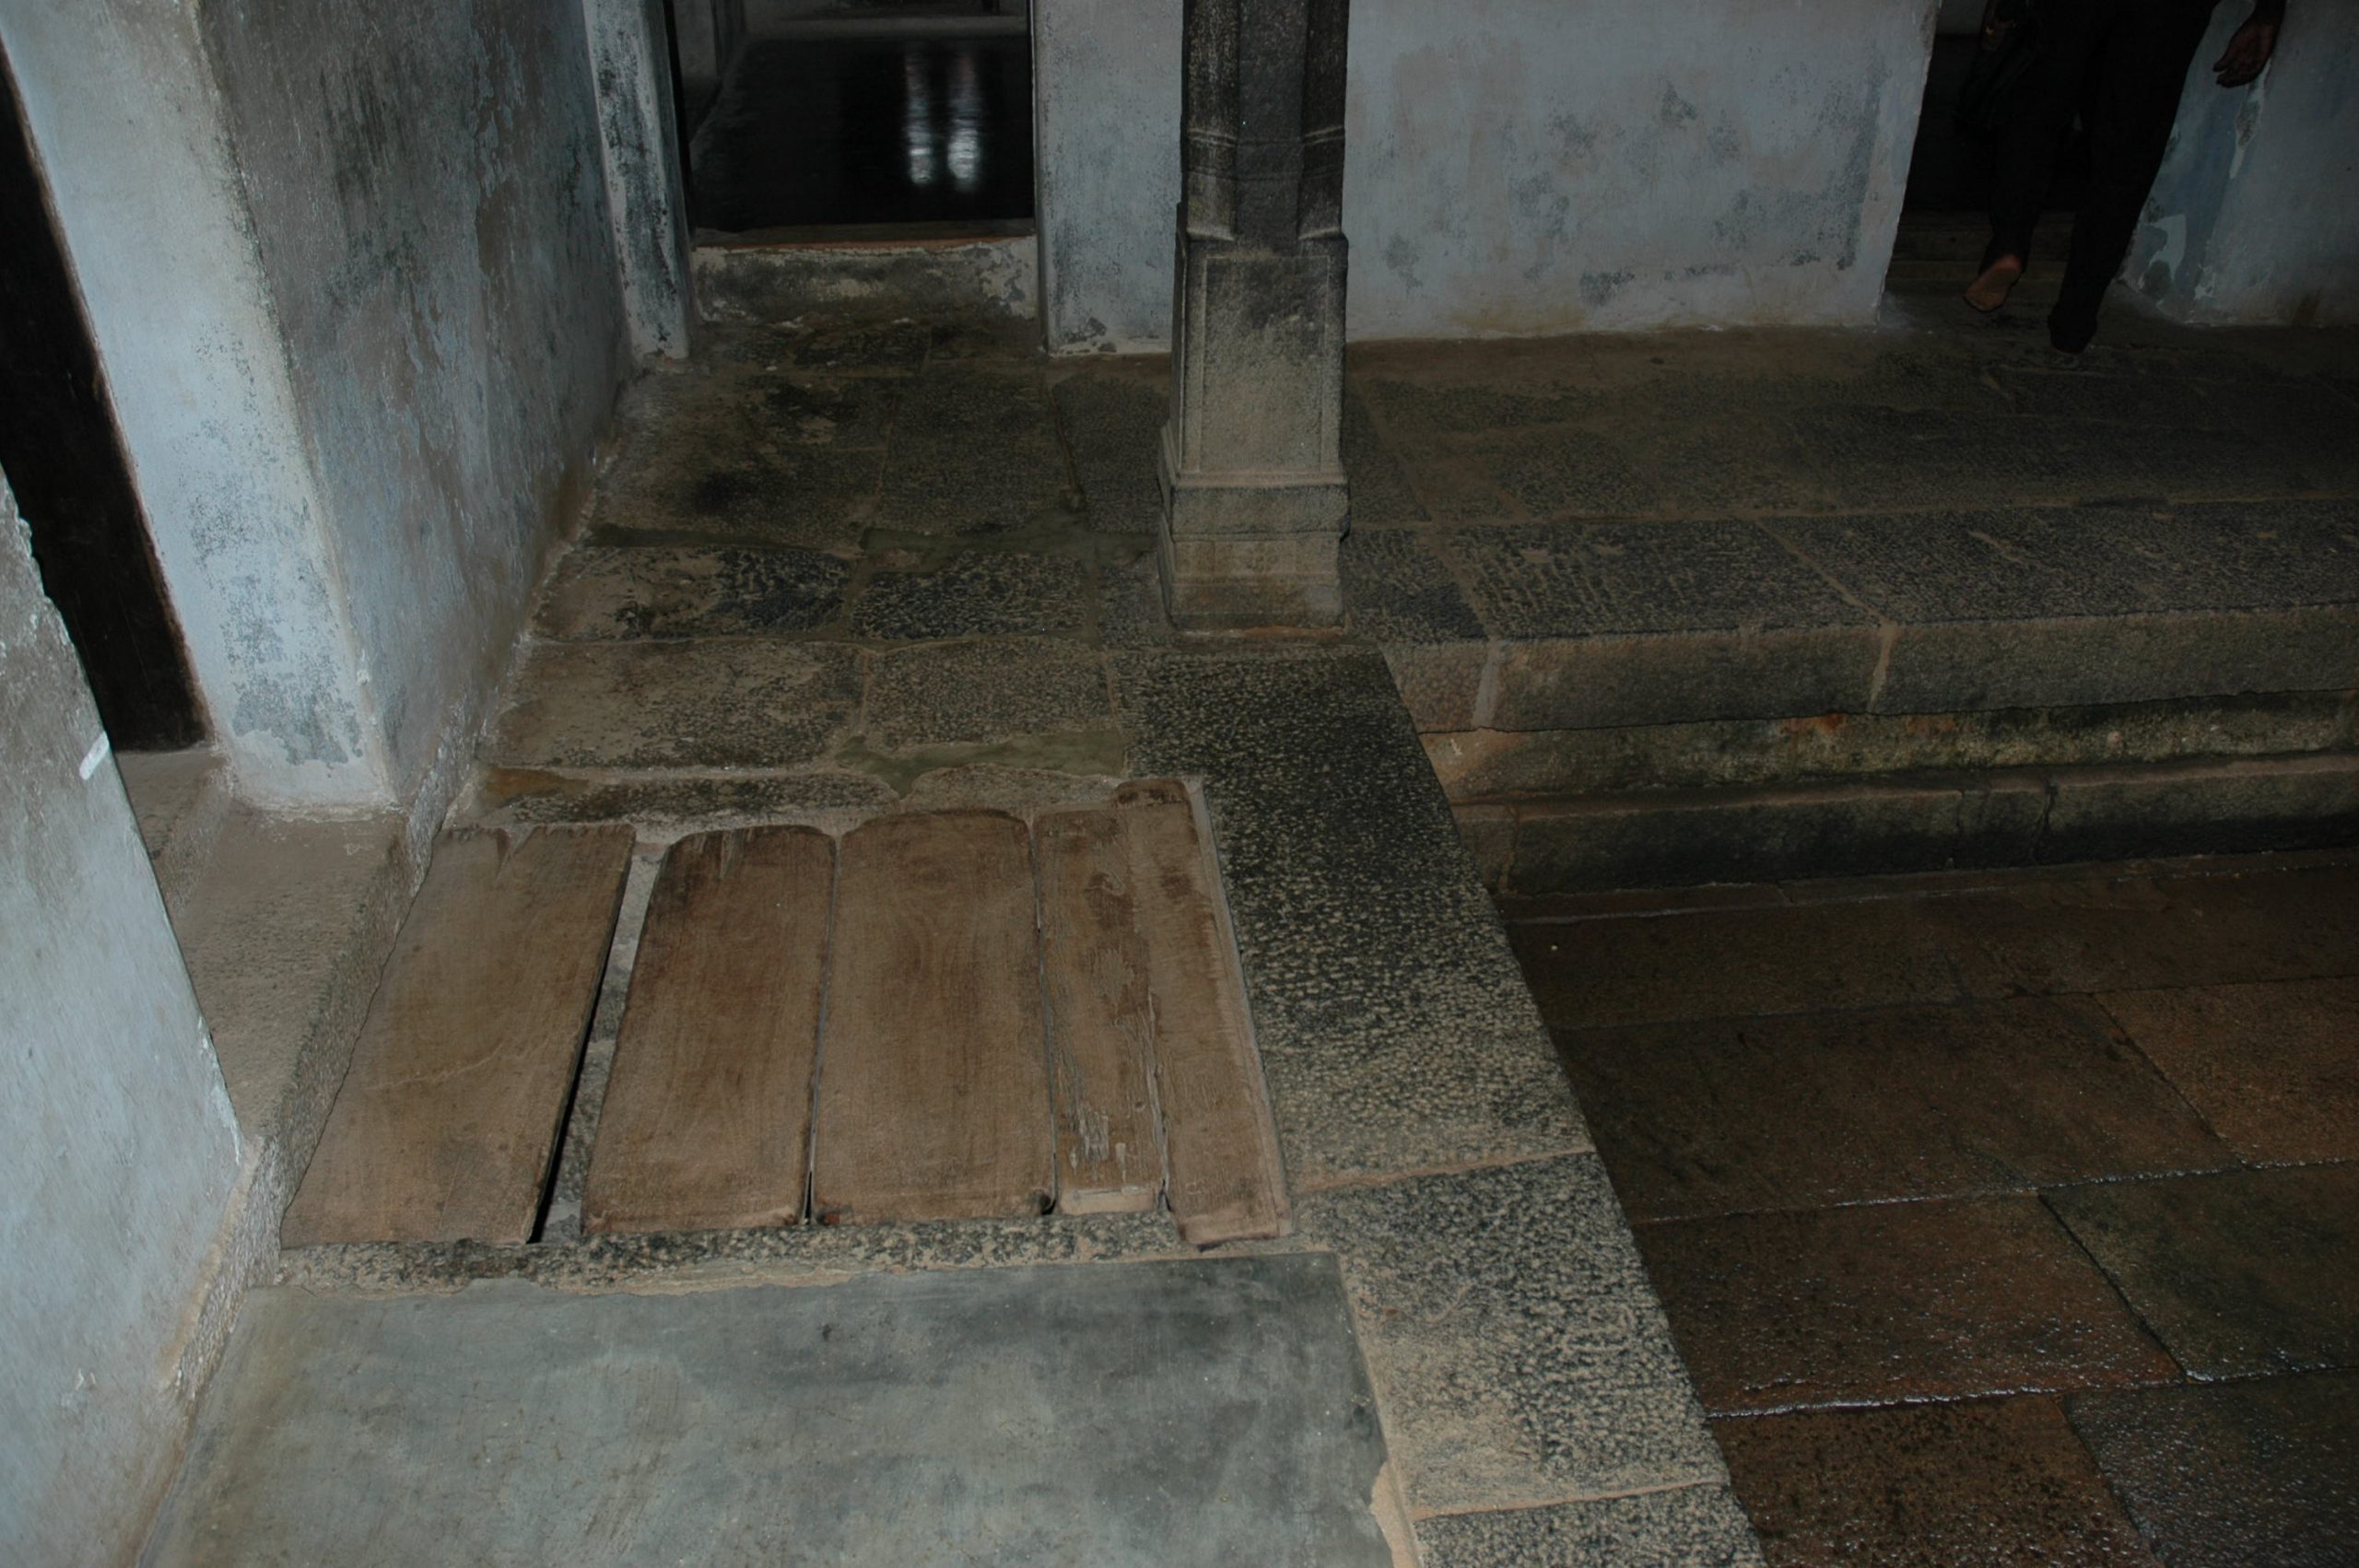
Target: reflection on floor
[[811, 131], [2008, 1218]]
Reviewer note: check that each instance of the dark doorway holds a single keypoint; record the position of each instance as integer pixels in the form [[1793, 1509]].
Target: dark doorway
[[881, 114], [66, 462], [1945, 210]]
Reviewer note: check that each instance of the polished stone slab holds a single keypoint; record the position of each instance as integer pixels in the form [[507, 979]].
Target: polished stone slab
[[1125, 1414], [2238, 1273], [2235, 1473]]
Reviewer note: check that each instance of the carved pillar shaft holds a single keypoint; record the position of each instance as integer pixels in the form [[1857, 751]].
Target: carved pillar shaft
[[1254, 496]]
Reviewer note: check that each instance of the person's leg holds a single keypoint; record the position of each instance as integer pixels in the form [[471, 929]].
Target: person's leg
[[2045, 105], [2141, 72]]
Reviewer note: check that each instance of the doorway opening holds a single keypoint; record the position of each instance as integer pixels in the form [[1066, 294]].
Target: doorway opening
[[1945, 210], [64, 460], [863, 115]]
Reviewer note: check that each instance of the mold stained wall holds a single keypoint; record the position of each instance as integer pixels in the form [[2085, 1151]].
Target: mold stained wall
[[126, 121], [2255, 217], [426, 190], [118, 1153], [1519, 166]]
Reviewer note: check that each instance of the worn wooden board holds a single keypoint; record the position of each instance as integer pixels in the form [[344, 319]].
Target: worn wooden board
[[706, 1119], [1223, 1173], [450, 1114], [934, 1092], [1093, 964]]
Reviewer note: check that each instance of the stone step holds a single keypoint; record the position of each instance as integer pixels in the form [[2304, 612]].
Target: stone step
[[986, 272], [1651, 704], [2028, 816]]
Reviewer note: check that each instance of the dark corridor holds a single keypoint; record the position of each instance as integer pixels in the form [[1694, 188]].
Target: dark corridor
[[873, 129], [72, 482]]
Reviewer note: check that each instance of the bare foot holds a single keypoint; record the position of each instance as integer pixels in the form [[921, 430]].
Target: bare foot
[[1989, 291]]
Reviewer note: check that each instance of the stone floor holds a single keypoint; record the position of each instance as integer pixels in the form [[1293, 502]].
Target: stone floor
[[831, 576], [1999, 1218], [834, 574]]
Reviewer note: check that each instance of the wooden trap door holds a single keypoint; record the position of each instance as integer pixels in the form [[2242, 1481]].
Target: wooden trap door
[[1222, 1176], [706, 1119], [448, 1116], [934, 1093]]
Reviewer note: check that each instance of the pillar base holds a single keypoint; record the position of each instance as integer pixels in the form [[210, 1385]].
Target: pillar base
[[1254, 497], [1243, 553]]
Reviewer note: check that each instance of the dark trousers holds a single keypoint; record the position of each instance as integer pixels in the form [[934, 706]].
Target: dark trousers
[[2118, 65]]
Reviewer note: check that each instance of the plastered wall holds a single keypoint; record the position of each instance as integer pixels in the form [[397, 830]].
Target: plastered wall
[[2255, 217], [427, 189], [354, 279], [1519, 166], [118, 1153]]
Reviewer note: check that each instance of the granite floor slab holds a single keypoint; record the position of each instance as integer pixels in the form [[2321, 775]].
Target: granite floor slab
[[1821, 1108], [1986, 1481], [2237, 1473], [2240, 1273], [2271, 1066], [1892, 1302]]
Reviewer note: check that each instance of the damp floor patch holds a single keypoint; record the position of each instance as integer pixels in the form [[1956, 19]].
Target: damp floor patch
[[1210, 1411]]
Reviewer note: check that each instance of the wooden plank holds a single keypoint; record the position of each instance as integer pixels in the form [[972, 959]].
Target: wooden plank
[[1110, 1154], [934, 1083], [1223, 1175], [706, 1119], [450, 1114]]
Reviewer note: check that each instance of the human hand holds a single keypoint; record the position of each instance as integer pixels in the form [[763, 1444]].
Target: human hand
[[2248, 51]]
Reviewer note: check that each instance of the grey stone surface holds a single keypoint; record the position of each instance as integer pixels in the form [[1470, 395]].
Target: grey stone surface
[[710, 1260], [863, 348], [1692, 1526], [2104, 462], [515, 797], [1396, 1031], [2074, 394], [1652, 622], [975, 452], [1497, 764], [841, 411], [1112, 424], [993, 1416], [1872, 456], [2102, 604], [2203, 809], [1461, 406], [738, 391], [1399, 592], [1566, 472], [1517, 1346], [2235, 1473], [984, 691], [284, 935], [1675, 838], [1381, 494], [1130, 601], [691, 591], [976, 594], [791, 494], [706, 703]]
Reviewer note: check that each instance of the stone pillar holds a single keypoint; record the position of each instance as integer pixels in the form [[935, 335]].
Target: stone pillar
[[1251, 467]]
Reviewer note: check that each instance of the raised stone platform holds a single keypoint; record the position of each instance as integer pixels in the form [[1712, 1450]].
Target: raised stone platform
[[1737, 606]]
